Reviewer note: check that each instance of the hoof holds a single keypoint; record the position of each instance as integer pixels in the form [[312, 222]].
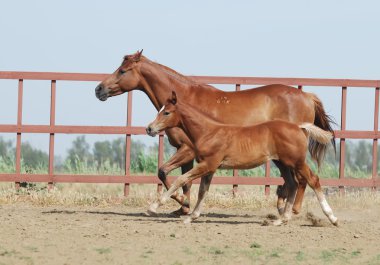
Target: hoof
[[180, 212], [187, 219], [281, 210], [152, 211], [295, 211], [279, 222], [336, 223]]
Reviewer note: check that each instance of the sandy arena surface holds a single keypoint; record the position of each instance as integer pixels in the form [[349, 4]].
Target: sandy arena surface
[[125, 235]]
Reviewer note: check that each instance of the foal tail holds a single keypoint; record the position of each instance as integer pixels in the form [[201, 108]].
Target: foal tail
[[323, 121], [318, 140]]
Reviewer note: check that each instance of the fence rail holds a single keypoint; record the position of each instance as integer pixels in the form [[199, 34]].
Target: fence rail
[[128, 130]]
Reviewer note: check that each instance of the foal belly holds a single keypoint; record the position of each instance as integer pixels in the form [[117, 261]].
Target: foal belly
[[243, 163]]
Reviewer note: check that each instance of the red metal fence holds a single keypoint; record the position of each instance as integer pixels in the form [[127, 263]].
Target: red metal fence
[[128, 130]]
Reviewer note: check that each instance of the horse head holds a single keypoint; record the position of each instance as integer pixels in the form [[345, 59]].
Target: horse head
[[124, 79]]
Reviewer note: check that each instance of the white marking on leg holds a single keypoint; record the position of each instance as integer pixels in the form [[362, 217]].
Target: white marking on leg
[[153, 208], [328, 211], [326, 208]]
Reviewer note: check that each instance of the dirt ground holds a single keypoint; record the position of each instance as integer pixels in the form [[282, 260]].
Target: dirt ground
[[125, 235]]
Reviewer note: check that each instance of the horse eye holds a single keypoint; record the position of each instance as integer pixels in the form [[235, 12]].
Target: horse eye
[[122, 71], [166, 113]]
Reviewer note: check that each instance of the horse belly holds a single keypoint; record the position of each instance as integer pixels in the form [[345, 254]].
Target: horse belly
[[243, 162]]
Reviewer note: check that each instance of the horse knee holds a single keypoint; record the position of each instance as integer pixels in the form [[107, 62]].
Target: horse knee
[[161, 174], [186, 188]]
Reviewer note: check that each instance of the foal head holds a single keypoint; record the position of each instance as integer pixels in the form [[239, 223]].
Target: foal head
[[167, 117], [124, 79]]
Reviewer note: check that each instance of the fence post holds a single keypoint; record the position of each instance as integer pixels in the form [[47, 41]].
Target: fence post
[[160, 158], [267, 176], [128, 144], [374, 146], [235, 173], [51, 137], [342, 140], [18, 140]]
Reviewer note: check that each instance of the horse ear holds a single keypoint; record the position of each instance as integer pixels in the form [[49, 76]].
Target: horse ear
[[173, 100], [139, 53]]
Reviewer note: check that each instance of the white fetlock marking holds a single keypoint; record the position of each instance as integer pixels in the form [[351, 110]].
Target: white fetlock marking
[[333, 219], [328, 212], [164, 199], [326, 207], [187, 220], [287, 216], [153, 207]]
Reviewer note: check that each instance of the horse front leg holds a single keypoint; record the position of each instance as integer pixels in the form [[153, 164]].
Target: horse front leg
[[183, 157], [199, 171]]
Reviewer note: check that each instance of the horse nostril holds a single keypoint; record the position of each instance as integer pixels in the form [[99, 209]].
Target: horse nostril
[[98, 88], [148, 130]]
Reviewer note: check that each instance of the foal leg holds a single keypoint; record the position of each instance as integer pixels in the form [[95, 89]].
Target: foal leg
[[313, 181], [283, 191], [282, 194], [184, 156], [299, 197], [291, 185], [203, 189], [199, 171]]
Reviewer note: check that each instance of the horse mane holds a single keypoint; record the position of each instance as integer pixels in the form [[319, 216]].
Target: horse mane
[[171, 73]]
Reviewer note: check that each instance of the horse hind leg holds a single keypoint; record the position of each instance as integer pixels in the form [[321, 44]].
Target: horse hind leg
[[313, 181]]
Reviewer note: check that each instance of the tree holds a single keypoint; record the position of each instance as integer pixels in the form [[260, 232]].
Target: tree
[[33, 158], [102, 152], [362, 159], [80, 151], [118, 151]]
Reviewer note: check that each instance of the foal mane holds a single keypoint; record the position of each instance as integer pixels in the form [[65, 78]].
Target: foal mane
[[196, 113]]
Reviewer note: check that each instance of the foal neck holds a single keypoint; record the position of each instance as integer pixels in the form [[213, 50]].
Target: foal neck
[[195, 122]]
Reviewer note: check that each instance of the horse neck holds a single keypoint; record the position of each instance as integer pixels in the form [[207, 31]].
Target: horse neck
[[195, 123], [159, 82]]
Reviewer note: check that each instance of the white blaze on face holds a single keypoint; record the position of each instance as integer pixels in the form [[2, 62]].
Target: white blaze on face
[[161, 109]]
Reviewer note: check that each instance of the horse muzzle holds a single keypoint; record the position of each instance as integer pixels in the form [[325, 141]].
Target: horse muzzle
[[101, 92], [151, 132]]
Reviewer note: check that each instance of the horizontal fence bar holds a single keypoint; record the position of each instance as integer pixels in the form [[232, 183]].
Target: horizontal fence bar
[[72, 129], [137, 130], [204, 79], [151, 179]]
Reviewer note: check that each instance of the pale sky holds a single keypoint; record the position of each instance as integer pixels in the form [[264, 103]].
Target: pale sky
[[319, 39]]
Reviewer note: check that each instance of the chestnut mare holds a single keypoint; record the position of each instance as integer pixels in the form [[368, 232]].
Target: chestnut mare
[[245, 107], [218, 145]]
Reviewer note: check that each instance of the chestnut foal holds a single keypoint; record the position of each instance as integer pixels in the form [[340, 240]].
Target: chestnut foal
[[224, 146]]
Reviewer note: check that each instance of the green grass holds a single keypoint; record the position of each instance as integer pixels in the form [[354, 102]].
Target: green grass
[[147, 164]]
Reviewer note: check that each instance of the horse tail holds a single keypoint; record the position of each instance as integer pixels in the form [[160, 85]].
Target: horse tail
[[318, 141], [323, 121]]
